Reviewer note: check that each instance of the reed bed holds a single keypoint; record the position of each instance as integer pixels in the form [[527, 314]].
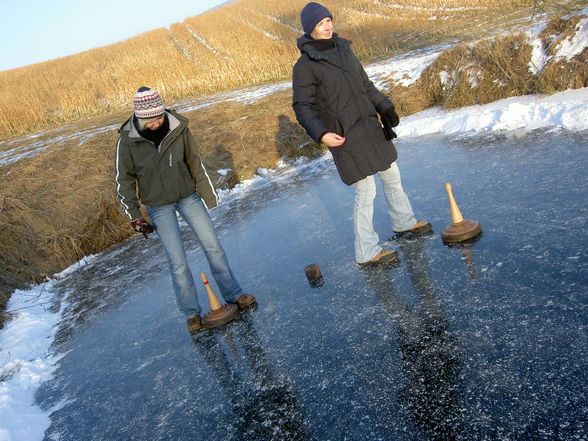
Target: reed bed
[[244, 43]]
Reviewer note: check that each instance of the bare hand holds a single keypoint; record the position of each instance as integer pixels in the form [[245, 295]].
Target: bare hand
[[332, 140]]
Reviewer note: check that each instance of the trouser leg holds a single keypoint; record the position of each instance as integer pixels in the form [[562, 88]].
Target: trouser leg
[[165, 220], [196, 215], [366, 238], [399, 207]]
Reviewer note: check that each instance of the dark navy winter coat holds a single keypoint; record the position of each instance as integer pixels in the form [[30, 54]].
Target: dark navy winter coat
[[332, 93]]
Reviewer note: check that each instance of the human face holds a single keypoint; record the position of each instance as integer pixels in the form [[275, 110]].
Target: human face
[[155, 124], [323, 30]]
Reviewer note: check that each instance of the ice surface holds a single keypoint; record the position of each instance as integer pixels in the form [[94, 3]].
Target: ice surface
[[486, 340]]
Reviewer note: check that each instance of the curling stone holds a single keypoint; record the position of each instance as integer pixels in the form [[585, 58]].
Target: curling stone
[[218, 315], [460, 230], [314, 275]]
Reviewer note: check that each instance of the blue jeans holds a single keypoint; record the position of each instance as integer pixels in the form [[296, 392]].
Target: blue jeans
[[399, 209], [166, 225]]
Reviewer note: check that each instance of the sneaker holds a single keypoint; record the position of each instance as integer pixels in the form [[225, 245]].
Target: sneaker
[[194, 324], [384, 256], [245, 300]]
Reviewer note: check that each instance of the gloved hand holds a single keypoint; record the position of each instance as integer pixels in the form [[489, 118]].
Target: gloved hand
[[142, 226], [389, 119]]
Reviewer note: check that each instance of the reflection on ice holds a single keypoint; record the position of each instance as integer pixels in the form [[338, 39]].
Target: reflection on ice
[[264, 405], [430, 351]]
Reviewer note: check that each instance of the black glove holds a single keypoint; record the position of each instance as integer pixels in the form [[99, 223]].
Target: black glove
[[389, 119], [142, 226]]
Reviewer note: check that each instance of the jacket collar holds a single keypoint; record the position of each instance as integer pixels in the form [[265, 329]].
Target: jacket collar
[[311, 47], [175, 121]]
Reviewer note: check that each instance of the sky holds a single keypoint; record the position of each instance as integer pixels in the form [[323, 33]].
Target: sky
[[33, 31]]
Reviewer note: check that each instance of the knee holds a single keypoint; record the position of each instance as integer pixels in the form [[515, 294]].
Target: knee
[[179, 267], [365, 198]]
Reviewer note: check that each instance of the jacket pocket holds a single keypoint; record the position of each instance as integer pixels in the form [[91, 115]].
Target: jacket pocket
[[340, 130]]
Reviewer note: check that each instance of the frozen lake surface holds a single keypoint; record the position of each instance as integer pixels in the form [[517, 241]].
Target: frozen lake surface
[[485, 340]]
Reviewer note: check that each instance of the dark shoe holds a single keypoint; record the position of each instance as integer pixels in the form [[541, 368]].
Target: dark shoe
[[194, 324], [245, 300], [384, 256]]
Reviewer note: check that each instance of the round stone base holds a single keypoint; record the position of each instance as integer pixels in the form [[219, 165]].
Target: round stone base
[[221, 316], [461, 231]]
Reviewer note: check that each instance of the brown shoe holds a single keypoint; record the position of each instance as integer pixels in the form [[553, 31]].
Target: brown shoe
[[419, 228], [384, 256], [194, 324], [245, 300]]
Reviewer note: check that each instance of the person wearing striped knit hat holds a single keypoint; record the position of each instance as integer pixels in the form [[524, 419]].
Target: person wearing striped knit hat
[[158, 166]]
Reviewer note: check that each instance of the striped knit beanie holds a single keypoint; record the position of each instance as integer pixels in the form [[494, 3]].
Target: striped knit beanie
[[147, 103]]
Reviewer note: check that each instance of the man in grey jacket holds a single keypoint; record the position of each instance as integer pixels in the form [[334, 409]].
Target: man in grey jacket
[[158, 165]]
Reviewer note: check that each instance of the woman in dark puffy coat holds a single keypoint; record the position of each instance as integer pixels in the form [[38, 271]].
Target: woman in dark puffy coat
[[338, 105]]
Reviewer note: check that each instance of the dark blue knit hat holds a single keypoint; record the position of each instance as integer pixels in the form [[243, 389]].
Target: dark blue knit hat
[[312, 14]]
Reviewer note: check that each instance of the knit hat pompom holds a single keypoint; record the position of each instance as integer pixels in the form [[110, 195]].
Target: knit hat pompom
[[312, 14], [147, 103]]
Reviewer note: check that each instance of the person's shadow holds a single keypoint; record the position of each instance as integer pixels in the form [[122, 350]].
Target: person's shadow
[[265, 404], [292, 142], [430, 352], [220, 165]]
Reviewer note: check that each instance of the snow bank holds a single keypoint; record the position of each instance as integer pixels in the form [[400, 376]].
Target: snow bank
[[568, 48], [567, 110], [26, 359]]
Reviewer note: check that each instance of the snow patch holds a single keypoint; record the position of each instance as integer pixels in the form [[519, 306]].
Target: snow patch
[[569, 48], [404, 70], [26, 359]]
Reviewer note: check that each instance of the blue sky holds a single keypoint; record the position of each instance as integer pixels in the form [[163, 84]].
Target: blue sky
[[38, 30]]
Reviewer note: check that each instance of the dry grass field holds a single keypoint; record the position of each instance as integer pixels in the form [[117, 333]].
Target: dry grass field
[[244, 43], [57, 200]]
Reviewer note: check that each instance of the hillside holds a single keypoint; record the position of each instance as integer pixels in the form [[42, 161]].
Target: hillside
[[244, 43]]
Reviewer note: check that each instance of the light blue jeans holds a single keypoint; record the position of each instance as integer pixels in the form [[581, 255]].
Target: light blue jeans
[[166, 225], [399, 208]]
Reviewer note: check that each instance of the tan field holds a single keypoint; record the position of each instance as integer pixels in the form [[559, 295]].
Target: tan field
[[244, 43]]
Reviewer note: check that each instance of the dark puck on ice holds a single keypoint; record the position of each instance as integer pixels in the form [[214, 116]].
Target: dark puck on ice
[[314, 276]]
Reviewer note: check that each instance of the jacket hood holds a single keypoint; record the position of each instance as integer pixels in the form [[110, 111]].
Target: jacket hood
[[308, 45]]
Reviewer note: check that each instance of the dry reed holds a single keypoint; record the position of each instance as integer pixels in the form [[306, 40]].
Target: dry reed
[[243, 43]]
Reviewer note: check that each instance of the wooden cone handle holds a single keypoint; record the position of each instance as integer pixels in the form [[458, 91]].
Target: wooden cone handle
[[215, 303], [456, 216]]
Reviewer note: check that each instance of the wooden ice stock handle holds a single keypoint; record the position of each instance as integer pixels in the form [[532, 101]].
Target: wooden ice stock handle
[[456, 216], [212, 298]]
